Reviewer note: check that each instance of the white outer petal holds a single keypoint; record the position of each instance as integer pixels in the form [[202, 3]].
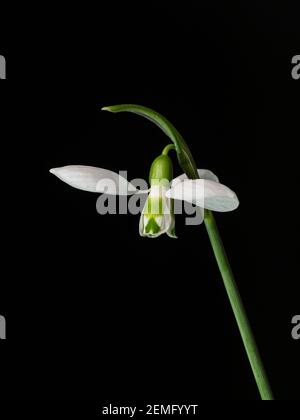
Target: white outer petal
[[204, 193], [142, 191], [89, 178], [203, 174]]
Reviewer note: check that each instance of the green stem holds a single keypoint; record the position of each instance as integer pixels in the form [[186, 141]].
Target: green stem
[[168, 148], [238, 309]]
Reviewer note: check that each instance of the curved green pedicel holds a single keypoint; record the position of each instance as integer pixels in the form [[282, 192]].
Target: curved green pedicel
[[184, 155]]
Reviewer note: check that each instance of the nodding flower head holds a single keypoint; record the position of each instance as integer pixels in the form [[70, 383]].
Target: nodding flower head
[[198, 187], [158, 214]]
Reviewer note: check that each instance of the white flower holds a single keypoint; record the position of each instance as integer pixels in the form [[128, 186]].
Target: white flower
[[205, 192], [157, 217]]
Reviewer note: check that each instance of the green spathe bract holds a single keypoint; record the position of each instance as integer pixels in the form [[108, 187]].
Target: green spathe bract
[[188, 165], [184, 154]]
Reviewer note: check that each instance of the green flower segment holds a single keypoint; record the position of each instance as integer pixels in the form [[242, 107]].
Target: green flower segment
[[158, 215], [153, 225]]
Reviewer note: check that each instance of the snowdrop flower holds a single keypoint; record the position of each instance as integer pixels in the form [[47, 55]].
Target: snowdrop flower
[[199, 187], [157, 216]]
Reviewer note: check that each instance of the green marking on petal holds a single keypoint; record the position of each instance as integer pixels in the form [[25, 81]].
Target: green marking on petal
[[172, 233], [154, 206], [152, 227]]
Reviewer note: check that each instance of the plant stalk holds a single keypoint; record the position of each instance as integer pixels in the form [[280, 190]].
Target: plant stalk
[[238, 308]]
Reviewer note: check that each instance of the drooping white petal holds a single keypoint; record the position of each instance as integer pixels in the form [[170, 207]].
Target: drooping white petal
[[89, 178], [142, 191], [203, 174], [206, 194]]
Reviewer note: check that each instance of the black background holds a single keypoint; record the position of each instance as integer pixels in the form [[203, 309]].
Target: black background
[[94, 311]]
